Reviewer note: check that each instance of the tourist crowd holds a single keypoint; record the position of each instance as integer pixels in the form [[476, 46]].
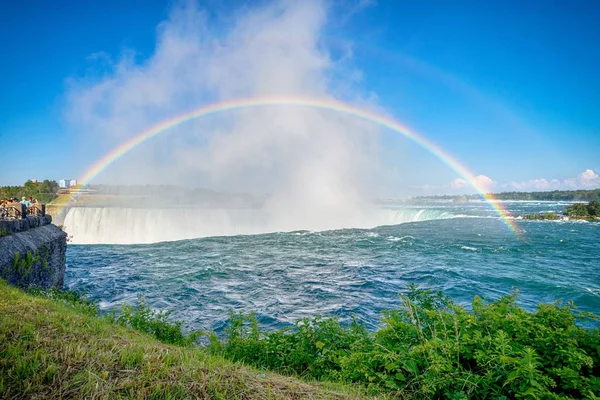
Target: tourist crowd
[[11, 208]]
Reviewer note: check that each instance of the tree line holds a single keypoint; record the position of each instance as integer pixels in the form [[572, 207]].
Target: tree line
[[582, 210], [44, 191], [554, 195]]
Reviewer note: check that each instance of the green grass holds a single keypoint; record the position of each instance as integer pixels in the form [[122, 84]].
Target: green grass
[[55, 344], [58, 348], [60, 200]]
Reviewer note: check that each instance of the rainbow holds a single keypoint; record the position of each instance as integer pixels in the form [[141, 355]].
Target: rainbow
[[331, 105]]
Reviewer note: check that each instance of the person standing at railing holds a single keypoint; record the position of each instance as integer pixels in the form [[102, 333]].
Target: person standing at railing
[[25, 201], [3, 209], [9, 208]]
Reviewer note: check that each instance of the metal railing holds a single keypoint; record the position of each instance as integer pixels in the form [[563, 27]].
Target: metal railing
[[20, 211]]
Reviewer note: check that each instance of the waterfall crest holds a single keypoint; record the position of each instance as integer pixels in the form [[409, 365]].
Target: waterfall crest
[[114, 225]]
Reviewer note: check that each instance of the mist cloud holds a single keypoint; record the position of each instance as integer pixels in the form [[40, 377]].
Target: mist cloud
[[307, 162]]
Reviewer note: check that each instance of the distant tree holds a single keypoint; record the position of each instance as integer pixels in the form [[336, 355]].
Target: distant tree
[[593, 208], [44, 191], [555, 195], [577, 210], [542, 216]]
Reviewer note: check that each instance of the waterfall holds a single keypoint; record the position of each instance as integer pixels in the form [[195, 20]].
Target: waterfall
[[114, 225], [138, 225], [394, 216]]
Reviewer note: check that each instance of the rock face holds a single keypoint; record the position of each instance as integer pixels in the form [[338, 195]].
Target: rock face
[[32, 252]]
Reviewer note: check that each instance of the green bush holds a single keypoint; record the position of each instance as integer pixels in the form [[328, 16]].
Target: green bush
[[593, 208], [584, 211], [144, 319], [543, 216], [430, 347], [311, 348]]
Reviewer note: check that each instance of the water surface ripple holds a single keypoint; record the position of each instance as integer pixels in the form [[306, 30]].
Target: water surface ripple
[[286, 276]]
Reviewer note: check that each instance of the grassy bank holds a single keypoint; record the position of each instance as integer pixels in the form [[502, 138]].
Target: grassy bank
[[51, 350], [56, 345]]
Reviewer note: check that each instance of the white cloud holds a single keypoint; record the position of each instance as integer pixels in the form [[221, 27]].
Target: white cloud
[[458, 183], [586, 180], [485, 182], [537, 184], [482, 181], [540, 184], [589, 178]]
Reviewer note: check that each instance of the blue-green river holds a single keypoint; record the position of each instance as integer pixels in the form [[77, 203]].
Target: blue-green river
[[464, 250]]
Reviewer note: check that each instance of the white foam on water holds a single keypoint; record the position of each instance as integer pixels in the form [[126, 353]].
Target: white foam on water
[[593, 291], [469, 248], [398, 239]]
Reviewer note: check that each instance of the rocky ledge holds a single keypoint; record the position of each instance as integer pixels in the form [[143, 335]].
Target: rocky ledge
[[32, 252]]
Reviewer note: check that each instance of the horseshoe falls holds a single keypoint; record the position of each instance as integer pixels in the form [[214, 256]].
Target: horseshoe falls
[[116, 225]]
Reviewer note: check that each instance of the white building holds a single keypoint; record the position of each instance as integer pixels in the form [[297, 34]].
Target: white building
[[66, 183]]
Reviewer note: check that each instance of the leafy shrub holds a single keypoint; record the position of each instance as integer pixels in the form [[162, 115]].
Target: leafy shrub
[[542, 216], [582, 210], [144, 319], [430, 347], [311, 348]]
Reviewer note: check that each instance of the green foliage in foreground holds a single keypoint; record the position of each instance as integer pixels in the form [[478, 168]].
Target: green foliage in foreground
[[70, 299], [155, 323], [428, 347], [431, 348], [58, 348], [140, 316]]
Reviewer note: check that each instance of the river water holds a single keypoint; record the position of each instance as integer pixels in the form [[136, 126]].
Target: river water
[[464, 250]]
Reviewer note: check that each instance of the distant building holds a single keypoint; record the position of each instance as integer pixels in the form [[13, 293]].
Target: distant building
[[33, 180], [67, 183]]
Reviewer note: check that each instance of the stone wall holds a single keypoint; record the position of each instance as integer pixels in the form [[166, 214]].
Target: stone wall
[[32, 252]]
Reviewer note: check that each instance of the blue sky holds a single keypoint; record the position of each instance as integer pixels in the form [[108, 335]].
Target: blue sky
[[510, 88]]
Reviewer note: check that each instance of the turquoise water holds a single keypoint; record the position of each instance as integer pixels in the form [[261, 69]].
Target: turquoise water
[[349, 272]]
